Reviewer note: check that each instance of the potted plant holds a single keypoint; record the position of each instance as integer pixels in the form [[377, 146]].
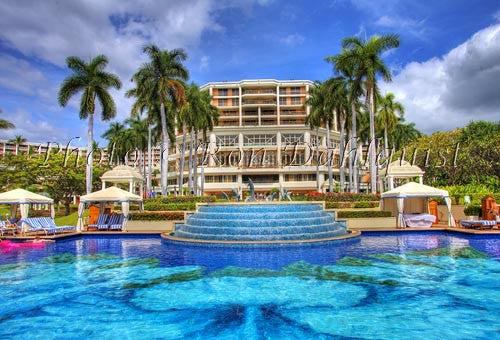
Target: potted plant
[[472, 211]]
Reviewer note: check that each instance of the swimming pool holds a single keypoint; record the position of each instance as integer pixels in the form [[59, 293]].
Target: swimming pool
[[378, 286]]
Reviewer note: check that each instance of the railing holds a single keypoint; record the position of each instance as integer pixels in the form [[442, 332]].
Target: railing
[[263, 91], [247, 102]]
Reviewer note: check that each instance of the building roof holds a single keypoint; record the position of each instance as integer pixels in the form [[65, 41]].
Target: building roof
[[256, 82], [401, 169], [122, 174], [111, 194], [413, 189], [18, 196]]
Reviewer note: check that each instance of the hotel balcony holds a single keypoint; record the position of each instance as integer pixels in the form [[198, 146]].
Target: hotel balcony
[[262, 102], [258, 92]]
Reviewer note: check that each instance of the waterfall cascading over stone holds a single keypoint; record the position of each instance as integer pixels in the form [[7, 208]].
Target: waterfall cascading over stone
[[260, 222]]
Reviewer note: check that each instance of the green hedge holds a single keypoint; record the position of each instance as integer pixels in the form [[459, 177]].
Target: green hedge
[[183, 199], [342, 197], [344, 205], [363, 214], [157, 216], [158, 206]]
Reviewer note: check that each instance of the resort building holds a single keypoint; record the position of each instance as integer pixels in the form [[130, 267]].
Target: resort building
[[261, 135]]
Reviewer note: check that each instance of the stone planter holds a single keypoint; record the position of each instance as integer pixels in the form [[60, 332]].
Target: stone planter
[[150, 226]]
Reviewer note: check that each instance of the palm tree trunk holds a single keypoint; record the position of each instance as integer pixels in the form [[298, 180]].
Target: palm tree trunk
[[90, 143], [190, 164], [150, 159], [195, 164], [318, 187], [328, 146], [386, 141], [349, 145], [203, 156], [354, 147], [164, 160], [143, 167], [342, 151], [181, 160], [373, 167]]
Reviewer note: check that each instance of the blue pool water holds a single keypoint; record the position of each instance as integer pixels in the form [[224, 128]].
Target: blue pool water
[[377, 286]]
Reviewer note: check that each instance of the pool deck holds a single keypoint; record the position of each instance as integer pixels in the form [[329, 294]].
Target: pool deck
[[356, 232]]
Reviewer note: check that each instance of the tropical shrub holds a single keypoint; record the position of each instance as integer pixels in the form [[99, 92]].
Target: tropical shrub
[[342, 197], [344, 205], [472, 210], [159, 206], [183, 199], [363, 214], [157, 216]]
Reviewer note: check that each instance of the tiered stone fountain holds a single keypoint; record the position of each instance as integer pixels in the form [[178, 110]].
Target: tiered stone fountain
[[260, 223]]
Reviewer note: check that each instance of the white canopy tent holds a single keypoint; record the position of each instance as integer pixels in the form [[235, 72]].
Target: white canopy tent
[[23, 199], [111, 194], [412, 198]]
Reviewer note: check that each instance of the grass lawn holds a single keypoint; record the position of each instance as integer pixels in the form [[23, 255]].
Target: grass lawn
[[71, 219], [4, 210]]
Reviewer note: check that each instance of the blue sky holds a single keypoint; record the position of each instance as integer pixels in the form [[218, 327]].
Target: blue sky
[[445, 71]]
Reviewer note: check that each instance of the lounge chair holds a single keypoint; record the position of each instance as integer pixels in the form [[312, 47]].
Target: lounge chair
[[6, 226], [36, 225], [101, 222], [115, 222], [49, 223], [478, 224]]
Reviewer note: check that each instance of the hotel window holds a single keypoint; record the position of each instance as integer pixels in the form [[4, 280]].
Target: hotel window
[[259, 140], [221, 179], [292, 139], [282, 90], [222, 92], [222, 102], [236, 102], [282, 101], [293, 158], [295, 90], [296, 101], [229, 140], [300, 177], [235, 92]]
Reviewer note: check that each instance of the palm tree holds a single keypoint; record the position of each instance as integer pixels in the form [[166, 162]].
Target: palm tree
[[94, 82], [341, 103], [160, 80], [17, 140], [322, 106], [186, 121], [367, 64], [344, 65], [208, 120], [387, 118], [5, 124], [145, 103], [114, 135], [314, 122], [404, 134], [138, 133]]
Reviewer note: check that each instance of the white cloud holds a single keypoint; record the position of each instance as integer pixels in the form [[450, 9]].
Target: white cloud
[[293, 39], [20, 76], [496, 15], [447, 92], [409, 26], [49, 31], [204, 61], [39, 129]]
